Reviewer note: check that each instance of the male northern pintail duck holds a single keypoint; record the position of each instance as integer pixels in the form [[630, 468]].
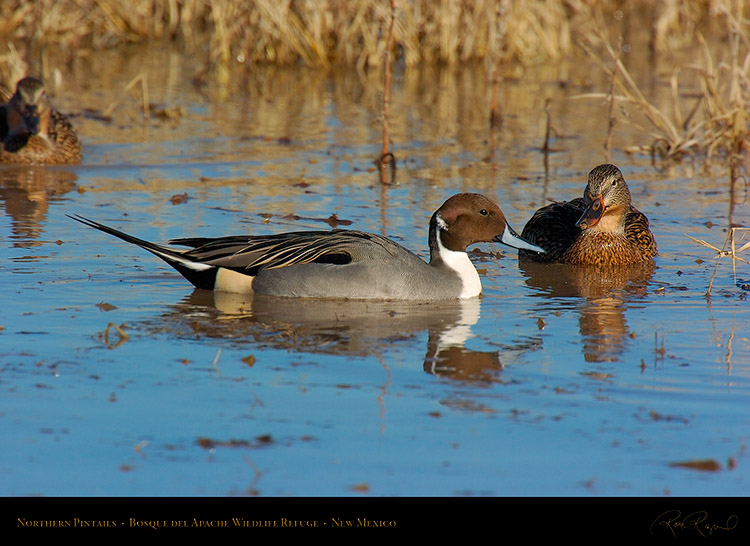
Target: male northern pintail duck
[[601, 228], [344, 263], [32, 132]]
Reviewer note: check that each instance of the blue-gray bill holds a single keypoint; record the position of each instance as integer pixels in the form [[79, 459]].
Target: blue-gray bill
[[513, 239]]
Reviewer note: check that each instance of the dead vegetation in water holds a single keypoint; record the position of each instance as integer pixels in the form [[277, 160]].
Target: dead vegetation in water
[[122, 336], [386, 163], [710, 122], [702, 465], [735, 236]]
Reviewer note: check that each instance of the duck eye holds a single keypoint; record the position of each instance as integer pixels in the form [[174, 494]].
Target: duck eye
[[483, 212]]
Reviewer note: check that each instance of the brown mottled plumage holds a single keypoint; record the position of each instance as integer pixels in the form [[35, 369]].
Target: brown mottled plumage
[[34, 133], [601, 228]]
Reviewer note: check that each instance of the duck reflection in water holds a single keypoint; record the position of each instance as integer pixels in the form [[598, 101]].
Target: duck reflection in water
[[26, 194], [602, 298], [346, 328]]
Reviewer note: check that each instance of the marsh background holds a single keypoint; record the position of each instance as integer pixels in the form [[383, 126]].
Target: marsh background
[[217, 117]]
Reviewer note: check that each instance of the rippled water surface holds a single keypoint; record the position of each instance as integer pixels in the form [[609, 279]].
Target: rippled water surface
[[118, 379]]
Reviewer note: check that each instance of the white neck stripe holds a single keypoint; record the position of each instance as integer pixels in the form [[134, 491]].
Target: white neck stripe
[[460, 262], [440, 222]]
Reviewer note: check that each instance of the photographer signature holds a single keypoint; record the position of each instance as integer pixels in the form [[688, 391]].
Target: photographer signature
[[674, 522]]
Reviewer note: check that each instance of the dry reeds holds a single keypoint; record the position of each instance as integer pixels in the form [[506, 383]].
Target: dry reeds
[[351, 32], [387, 161], [717, 122], [672, 138], [226, 34], [140, 78], [734, 235], [320, 33]]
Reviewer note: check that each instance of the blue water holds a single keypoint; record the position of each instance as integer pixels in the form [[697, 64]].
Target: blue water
[[547, 386]]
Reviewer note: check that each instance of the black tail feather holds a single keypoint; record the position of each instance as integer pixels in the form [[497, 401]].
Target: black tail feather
[[151, 247], [200, 275]]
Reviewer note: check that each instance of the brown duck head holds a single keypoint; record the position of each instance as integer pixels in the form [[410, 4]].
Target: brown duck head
[[28, 109], [607, 199]]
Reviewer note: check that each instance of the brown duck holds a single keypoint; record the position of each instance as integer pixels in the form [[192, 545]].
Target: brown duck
[[601, 228], [34, 133]]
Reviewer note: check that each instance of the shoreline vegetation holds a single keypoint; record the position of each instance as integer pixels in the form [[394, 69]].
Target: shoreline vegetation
[[708, 122], [325, 33]]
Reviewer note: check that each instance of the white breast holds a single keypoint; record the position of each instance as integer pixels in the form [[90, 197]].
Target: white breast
[[462, 265]]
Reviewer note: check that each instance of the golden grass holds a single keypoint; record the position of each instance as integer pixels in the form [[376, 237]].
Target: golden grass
[[344, 32], [320, 32], [354, 33]]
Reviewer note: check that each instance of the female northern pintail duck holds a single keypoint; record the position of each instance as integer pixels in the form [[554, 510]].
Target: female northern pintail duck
[[344, 263], [601, 228], [32, 132]]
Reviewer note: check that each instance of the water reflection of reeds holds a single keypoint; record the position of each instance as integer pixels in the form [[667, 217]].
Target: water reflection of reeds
[[505, 34]]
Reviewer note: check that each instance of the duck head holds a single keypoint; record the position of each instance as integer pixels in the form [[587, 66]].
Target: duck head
[[607, 197], [469, 218], [29, 108]]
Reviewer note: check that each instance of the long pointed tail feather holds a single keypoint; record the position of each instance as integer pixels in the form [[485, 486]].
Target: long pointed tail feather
[[200, 274]]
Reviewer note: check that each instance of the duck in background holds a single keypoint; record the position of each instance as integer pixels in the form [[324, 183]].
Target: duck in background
[[32, 132], [601, 228]]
